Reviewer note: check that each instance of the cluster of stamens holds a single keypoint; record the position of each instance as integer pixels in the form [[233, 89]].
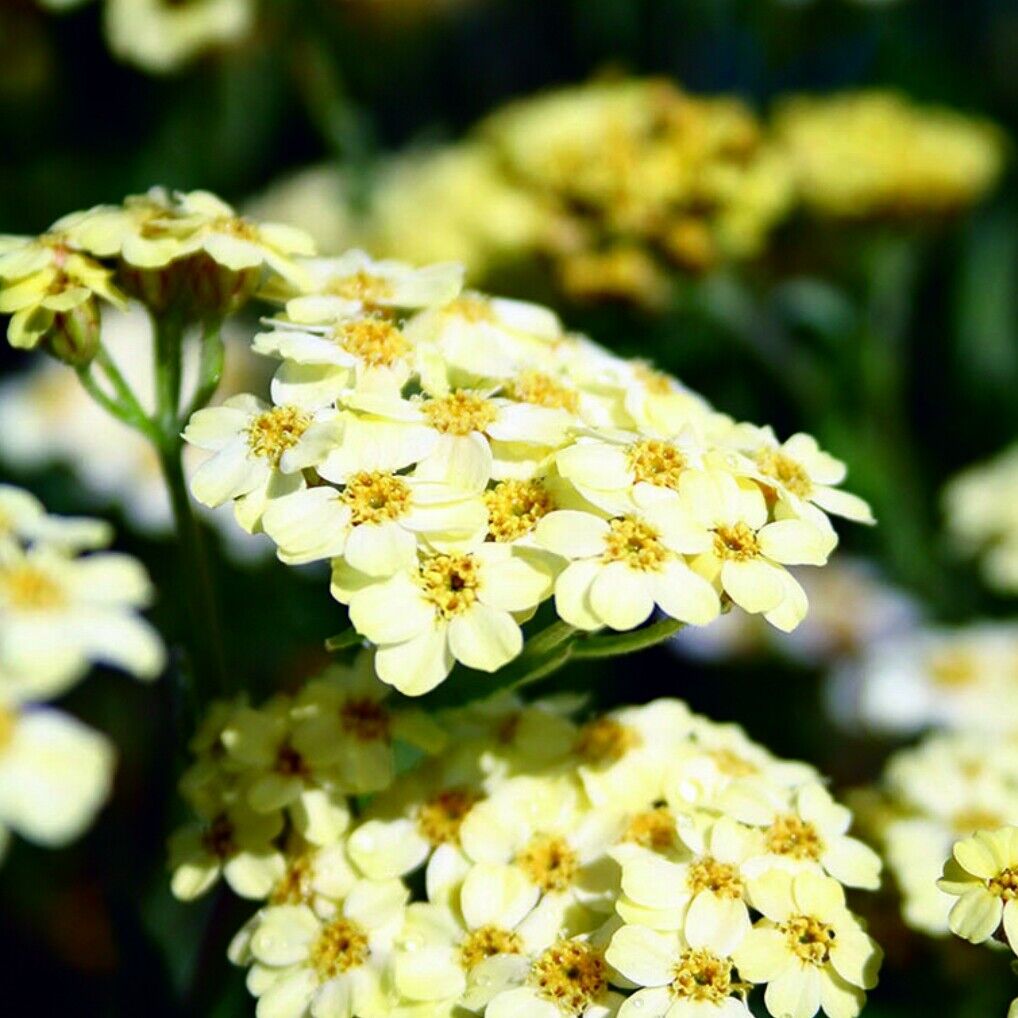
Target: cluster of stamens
[[376, 341], [799, 839], [1004, 884], [736, 543], [655, 462], [460, 413], [486, 942], [720, 878], [365, 719], [374, 497], [514, 507], [549, 862], [27, 588], [571, 974], [785, 470], [543, 390], [635, 543], [605, 741], [702, 976], [809, 938], [654, 829], [341, 946], [450, 583], [271, 433]]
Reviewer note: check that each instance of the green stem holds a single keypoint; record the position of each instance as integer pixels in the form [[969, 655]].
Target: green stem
[[210, 368], [626, 643], [341, 641], [169, 331], [202, 631]]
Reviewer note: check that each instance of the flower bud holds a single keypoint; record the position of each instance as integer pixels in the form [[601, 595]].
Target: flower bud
[[213, 289], [74, 335]]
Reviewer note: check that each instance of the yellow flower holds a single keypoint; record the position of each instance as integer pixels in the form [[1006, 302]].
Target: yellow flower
[[160, 35], [55, 774], [983, 874], [49, 287], [809, 949], [874, 154]]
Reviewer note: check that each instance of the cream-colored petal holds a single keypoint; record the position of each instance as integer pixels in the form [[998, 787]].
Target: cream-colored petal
[[484, 638]]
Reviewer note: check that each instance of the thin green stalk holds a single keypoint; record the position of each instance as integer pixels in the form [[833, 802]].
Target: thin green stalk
[[210, 368], [115, 407], [626, 643], [169, 331], [203, 634]]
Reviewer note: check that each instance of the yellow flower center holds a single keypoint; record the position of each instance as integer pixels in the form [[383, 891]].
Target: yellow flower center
[[217, 838], [341, 946], [514, 507], [789, 473], [656, 383], [271, 433], [543, 390], [375, 497], [294, 887], [365, 719], [442, 816], [549, 862], [702, 976], [450, 583], [953, 669], [654, 829], [459, 413], [30, 589], [471, 308], [486, 942], [1004, 884], [737, 543], [604, 741], [707, 874], [656, 462], [360, 286], [571, 974], [635, 543], [730, 764], [789, 835], [809, 939], [8, 724], [376, 341]]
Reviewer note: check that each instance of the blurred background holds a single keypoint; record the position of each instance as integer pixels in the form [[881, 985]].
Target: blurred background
[[847, 267]]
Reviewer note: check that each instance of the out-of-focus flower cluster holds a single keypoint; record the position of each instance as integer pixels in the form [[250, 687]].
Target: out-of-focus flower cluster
[[982, 873], [645, 862], [622, 184], [981, 505], [460, 460], [63, 608], [875, 155]]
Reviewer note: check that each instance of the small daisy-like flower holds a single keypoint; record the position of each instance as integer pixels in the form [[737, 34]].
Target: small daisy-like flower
[[678, 975], [983, 874], [801, 473], [60, 614], [376, 523], [621, 568], [542, 828], [49, 287], [253, 445], [351, 716], [450, 608], [809, 949], [23, 519], [356, 277], [808, 833], [705, 895], [55, 774], [236, 843], [305, 964], [283, 766], [568, 979], [748, 552]]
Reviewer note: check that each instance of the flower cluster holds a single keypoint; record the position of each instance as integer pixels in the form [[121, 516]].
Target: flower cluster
[[946, 788], [982, 873], [61, 611], [959, 679], [876, 155], [460, 460], [645, 862], [186, 254], [981, 505]]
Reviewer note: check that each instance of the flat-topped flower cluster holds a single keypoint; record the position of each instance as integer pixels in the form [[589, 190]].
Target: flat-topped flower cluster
[[61, 612], [646, 862], [460, 459]]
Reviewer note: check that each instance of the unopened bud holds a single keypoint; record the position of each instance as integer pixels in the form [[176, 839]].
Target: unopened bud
[[74, 335]]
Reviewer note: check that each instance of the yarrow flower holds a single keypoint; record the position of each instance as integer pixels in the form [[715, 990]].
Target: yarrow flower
[[460, 460], [499, 873], [63, 607], [981, 508]]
